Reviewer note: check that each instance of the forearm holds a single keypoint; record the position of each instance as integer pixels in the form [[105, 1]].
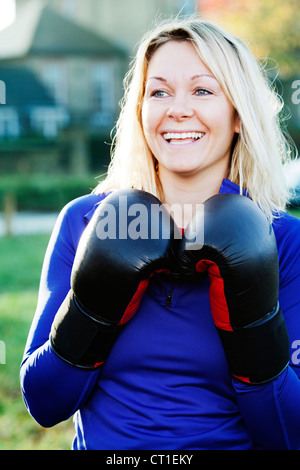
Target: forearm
[[52, 389], [272, 411]]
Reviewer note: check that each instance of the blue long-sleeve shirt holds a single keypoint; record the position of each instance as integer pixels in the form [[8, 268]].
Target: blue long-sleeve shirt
[[165, 384]]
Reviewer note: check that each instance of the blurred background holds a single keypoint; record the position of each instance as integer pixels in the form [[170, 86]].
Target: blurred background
[[62, 65]]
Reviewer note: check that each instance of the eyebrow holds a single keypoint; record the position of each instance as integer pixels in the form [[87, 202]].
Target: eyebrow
[[194, 77], [203, 75]]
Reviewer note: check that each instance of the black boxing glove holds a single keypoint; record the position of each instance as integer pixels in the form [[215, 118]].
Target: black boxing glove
[[237, 247], [116, 256]]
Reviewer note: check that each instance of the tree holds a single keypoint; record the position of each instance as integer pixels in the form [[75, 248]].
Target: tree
[[271, 28]]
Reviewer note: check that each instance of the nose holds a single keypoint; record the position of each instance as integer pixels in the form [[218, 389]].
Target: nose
[[180, 108]]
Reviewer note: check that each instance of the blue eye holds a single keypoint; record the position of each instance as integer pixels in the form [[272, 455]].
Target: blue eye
[[202, 92], [159, 93]]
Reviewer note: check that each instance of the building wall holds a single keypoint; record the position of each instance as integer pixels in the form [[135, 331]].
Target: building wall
[[122, 21]]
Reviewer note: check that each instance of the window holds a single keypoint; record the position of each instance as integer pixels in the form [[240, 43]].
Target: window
[[48, 120], [102, 96], [9, 123], [55, 78]]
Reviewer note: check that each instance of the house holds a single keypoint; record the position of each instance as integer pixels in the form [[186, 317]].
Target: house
[[61, 79], [32, 112], [124, 21]]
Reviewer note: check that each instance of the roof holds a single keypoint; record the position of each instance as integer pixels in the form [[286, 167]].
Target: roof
[[18, 79], [39, 30]]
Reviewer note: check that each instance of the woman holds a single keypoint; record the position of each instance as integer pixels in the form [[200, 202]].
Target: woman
[[198, 120]]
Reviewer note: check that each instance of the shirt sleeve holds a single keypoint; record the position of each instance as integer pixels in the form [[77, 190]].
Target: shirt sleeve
[[272, 411], [52, 389]]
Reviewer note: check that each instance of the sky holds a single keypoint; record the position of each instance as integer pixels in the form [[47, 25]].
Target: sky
[[7, 13]]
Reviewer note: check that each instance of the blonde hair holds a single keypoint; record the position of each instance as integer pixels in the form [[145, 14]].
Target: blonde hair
[[261, 147]]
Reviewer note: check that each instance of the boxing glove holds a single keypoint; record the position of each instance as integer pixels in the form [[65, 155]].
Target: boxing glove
[[130, 236], [238, 251]]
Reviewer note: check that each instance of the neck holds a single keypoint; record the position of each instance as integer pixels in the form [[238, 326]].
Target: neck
[[183, 194]]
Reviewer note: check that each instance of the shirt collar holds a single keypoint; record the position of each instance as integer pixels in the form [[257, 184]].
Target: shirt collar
[[228, 187], [90, 213]]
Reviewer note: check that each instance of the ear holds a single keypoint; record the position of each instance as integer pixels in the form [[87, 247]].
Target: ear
[[237, 124]]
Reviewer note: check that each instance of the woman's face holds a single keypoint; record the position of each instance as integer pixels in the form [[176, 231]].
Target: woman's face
[[188, 122]]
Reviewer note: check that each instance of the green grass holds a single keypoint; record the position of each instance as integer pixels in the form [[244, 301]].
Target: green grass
[[20, 268]]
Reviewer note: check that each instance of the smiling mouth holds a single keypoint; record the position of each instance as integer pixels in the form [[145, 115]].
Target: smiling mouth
[[182, 137]]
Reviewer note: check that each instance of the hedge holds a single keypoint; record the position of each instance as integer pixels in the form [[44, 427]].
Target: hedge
[[42, 192]]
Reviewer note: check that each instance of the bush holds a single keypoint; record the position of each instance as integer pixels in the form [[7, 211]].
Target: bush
[[42, 192]]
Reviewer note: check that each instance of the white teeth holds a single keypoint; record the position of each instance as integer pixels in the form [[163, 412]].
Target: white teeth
[[183, 135]]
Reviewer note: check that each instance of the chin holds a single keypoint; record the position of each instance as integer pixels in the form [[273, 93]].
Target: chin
[[184, 170]]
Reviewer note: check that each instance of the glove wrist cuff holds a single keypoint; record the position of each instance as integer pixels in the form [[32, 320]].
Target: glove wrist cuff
[[258, 352], [80, 339]]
